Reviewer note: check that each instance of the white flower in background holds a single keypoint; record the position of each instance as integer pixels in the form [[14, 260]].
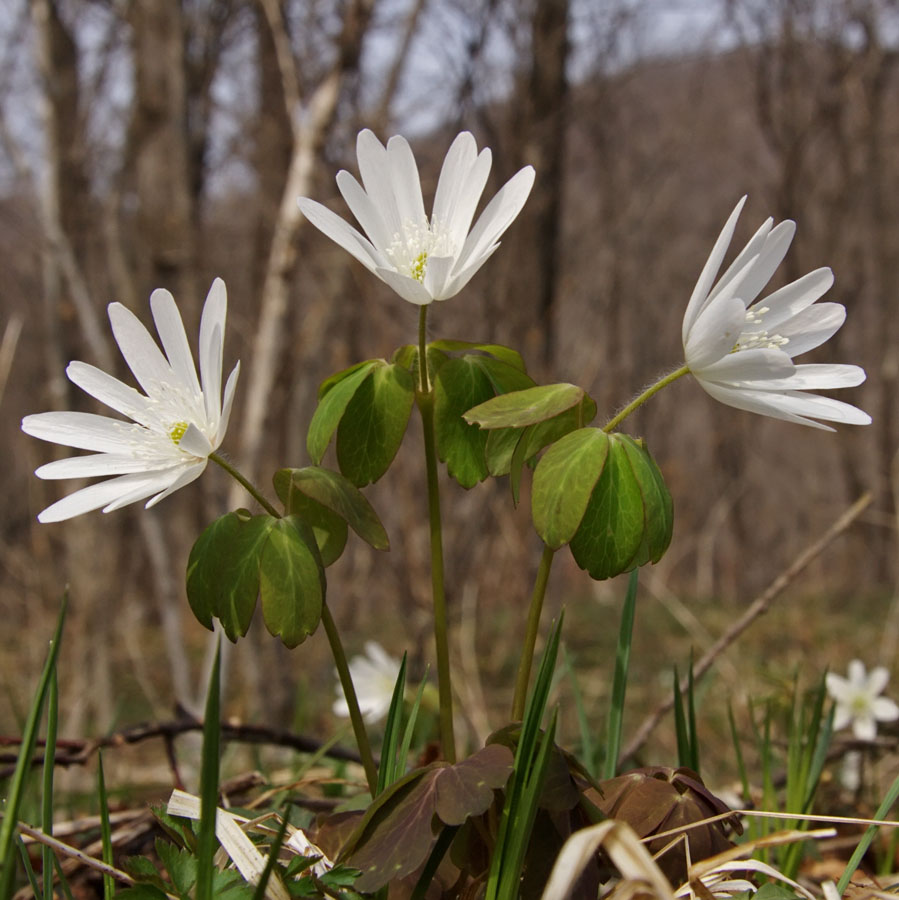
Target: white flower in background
[[741, 349], [422, 260], [858, 700], [176, 423], [374, 677]]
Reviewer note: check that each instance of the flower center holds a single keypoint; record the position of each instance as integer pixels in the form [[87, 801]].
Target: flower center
[[860, 705], [177, 431], [755, 337], [410, 248]]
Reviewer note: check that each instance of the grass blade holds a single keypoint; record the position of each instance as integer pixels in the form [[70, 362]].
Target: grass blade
[[272, 861], [868, 836], [387, 769], [209, 778], [108, 882], [8, 851], [410, 729], [47, 789], [619, 681]]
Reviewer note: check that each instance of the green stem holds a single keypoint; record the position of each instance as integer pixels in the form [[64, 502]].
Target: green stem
[[425, 400], [340, 660], [250, 488], [346, 682], [638, 401], [530, 638]]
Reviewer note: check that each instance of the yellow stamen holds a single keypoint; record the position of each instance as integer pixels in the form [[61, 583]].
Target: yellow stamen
[[178, 431]]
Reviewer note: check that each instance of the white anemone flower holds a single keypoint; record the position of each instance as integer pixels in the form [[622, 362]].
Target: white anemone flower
[[858, 700], [176, 423], [422, 260], [741, 349], [374, 677]]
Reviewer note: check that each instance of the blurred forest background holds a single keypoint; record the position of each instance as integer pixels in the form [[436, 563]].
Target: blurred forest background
[[163, 142]]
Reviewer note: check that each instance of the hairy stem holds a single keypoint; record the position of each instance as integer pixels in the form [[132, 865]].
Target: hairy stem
[[247, 485], [346, 682], [425, 399], [640, 399], [530, 638]]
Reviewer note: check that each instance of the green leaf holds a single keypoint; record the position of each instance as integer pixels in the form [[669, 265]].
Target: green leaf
[[657, 505], [329, 529], [459, 385], [497, 351], [292, 581], [526, 407], [223, 571], [610, 535], [504, 377], [564, 483], [374, 422], [334, 395], [180, 864], [338, 494]]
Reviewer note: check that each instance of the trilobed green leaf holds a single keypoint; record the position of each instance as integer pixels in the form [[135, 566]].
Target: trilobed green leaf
[[334, 394]]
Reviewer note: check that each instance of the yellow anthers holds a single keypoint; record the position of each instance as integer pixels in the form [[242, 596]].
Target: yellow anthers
[[419, 267], [178, 430]]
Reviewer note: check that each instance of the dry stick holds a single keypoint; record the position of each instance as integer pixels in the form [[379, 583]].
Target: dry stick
[[758, 606]]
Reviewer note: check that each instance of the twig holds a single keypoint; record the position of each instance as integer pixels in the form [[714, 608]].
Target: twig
[[83, 858], [758, 606], [78, 752]]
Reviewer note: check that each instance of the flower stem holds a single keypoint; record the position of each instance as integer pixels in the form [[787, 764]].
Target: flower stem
[[346, 682], [638, 401], [425, 399], [343, 669], [530, 638], [250, 488]]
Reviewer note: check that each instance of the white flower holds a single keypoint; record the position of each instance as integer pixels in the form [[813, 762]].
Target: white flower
[[740, 349], [858, 701], [421, 260], [177, 422], [374, 677]]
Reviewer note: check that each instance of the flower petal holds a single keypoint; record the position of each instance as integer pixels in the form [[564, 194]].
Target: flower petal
[[792, 298], [884, 709], [878, 680], [188, 474], [710, 270], [771, 255], [458, 280], [140, 351], [815, 376], [812, 327], [331, 225], [230, 387], [437, 275], [170, 328], [376, 178], [714, 333], [864, 727], [366, 213], [101, 465], [406, 182], [761, 402], [109, 390], [858, 676], [408, 288], [84, 431], [498, 215], [212, 339], [750, 365]]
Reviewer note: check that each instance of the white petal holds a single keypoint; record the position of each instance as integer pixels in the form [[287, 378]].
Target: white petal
[[109, 390], [497, 216], [812, 327], [230, 387], [375, 171], [212, 338], [188, 474], [142, 488], [750, 365], [884, 709], [798, 403], [714, 333], [878, 680], [842, 718], [858, 676], [864, 728], [437, 275], [195, 442], [96, 495], [84, 431], [101, 465], [408, 288], [792, 298], [366, 213], [341, 233], [463, 178], [710, 270], [405, 181], [170, 327], [458, 280], [761, 402], [816, 376], [141, 352], [771, 256], [837, 687]]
